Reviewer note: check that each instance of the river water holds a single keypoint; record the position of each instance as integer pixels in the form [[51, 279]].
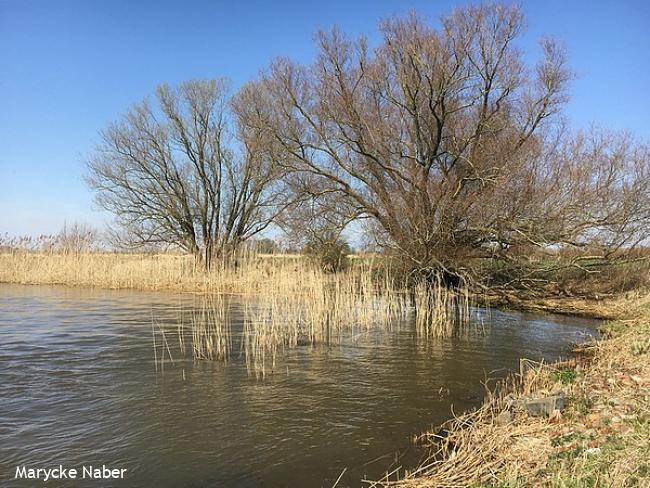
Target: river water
[[79, 386]]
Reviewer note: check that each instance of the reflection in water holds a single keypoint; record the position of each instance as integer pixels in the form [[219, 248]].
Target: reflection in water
[[79, 385]]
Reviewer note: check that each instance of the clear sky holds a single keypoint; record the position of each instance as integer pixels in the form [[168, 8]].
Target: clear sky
[[70, 67]]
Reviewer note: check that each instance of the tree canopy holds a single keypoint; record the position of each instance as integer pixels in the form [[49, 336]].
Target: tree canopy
[[183, 171], [450, 142]]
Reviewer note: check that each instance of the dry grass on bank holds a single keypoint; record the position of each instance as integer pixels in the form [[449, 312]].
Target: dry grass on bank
[[600, 308], [602, 439], [172, 272]]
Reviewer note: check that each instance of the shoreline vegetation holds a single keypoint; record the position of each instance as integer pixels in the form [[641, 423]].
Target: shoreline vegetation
[[255, 274], [288, 300]]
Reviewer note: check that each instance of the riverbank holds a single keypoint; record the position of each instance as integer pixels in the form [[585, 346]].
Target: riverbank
[[605, 309], [601, 437], [254, 274]]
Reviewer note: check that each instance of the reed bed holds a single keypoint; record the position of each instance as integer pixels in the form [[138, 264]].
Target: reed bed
[[247, 274], [343, 307], [315, 308], [288, 301], [440, 310], [173, 272], [211, 330]]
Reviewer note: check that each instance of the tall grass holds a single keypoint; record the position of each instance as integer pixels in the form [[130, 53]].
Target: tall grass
[[141, 271], [347, 305], [328, 310], [441, 310], [286, 300], [211, 330]]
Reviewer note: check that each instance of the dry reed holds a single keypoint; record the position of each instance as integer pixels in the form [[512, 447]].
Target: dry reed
[[315, 308], [287, 301], [441, 311], [345, 305]]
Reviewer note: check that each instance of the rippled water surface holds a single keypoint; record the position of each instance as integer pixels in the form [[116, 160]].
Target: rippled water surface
[[79, 386]]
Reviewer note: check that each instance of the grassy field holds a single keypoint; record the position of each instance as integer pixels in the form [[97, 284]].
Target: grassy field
[[601, 439]]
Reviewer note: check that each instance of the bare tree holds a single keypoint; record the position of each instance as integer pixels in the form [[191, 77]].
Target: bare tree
[[77, 238], [185, 172], [582, 202], [315, 223], [444, 137], [315, 214]]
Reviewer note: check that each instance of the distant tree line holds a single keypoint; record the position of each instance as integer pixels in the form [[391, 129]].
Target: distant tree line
[[448, 147]]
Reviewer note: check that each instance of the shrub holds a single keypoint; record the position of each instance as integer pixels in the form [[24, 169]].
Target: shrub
[[330, 255]]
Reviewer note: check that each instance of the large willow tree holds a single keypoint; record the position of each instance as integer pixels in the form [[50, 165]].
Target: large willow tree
[[184, 172], [448, 141]]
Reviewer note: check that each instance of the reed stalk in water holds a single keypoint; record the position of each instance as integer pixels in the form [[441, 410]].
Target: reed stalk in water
[[211, 330], [441, 310], [325, 312]]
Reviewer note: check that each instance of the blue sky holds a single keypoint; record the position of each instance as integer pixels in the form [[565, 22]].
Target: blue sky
[[70, 67]]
